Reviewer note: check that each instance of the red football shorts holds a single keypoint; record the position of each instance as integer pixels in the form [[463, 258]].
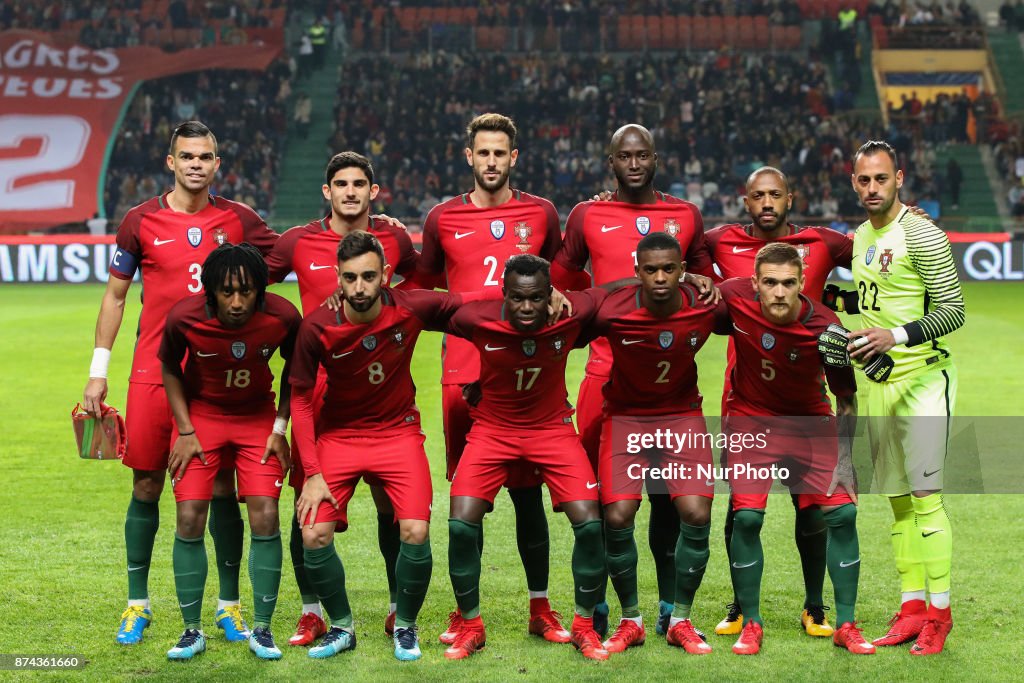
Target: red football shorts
[[681, 469], [232, 441], [457, 423], [589, 408], [806, 448], [395, 458], [149, 425], [554, 451]]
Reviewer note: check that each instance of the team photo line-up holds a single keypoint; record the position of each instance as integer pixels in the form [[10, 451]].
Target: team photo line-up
[[201, 405]]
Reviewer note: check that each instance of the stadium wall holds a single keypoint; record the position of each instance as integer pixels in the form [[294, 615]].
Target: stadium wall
[[83, 259]]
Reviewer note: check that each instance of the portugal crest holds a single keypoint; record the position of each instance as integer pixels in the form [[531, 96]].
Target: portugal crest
[[498, 229], [694, 340], [529, 347], [266, 350], [672, 227], [398, 336], [643, 225], [665, 338], [238, 347], [794, 355], [804, 251], [219, 236], [523, 232], [885, 260], [369, 342], [767, 341], [557, 344], [194, 236]]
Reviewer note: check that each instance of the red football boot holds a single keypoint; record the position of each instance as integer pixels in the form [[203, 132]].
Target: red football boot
[[749, 642], [684, 635], [310, 627], [389, 624], [455, 622], [932, 638], [547, 623], [850, 637], [627, 634], [905, 624], [586, 640], [470, 639]]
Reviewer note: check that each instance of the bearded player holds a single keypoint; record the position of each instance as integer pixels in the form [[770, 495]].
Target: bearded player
[[783, 342], [169, 237], [606, 234], [910, 299], [467, 240], [310, 251], [224, 410], [653, 331], [524, 416], [733, 248]]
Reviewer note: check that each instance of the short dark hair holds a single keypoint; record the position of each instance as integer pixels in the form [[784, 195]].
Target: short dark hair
[[357, 243], [497, 123], [243, 261], [778, 254], [527, 264], [874, 147], [769, 169], [657, 241], [191, 129], [348, 159]]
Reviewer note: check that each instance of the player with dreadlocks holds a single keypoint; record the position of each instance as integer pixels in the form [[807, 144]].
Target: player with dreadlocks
[[223, 406]]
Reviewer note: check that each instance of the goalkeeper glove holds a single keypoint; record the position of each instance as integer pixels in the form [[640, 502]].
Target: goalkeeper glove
[[832, 346], [840, 300], [879, 367]]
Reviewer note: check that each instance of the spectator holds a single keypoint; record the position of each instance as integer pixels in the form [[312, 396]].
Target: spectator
[[954, 179], [303, 115]]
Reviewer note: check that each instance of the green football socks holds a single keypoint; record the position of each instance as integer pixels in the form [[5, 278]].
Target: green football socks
[[306, 590], [748, 562], [389, 540], [843, 558], [810, 535], [662, 535], [327, 575], [190, 568], [692, 553], [412, 572], [532, 535], [265, 558], [140, 527], [589, 568], [464, 566], [622, 560], [226, 529]]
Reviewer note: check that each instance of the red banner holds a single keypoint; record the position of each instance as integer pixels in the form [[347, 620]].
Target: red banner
[[59, 109]]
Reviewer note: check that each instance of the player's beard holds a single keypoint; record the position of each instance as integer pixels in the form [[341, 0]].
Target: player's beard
[[627, 186], [880, 209], [781, 220], [363, 305], [493, 185]]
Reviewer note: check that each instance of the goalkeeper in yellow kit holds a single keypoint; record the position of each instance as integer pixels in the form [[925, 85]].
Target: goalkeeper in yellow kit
[[909, 299]]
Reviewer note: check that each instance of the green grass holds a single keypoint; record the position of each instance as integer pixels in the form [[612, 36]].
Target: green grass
[[62, 561]]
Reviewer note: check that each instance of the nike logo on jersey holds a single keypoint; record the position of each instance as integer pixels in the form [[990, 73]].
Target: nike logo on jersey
[[741, 331], [844, 565], [277, 483], [737, 250], [313, 266], [460, 235], [488, 347], [609, 228], [341, 355], [627, 342], [157, 241], [205, 355], [743, 566], [591, 485]]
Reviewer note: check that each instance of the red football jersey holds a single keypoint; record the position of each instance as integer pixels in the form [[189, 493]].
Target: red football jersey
[[470, 245], [606, 234], [778, 369], [733, 248], [653, 368], [311, 251], [228, 369], [369, 386], [171, 247], [522, 374]]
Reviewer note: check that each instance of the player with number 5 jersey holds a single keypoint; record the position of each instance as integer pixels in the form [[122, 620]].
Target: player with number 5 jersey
[[168, 238]]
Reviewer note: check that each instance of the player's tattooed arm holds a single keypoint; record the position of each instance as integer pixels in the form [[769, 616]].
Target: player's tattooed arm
[[187, 445], [107, 324], [845, 475]]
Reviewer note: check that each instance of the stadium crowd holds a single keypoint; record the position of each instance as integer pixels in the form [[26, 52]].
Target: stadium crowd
[[716, 116], [249, 111]]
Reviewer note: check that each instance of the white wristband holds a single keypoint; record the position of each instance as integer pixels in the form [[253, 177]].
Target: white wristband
[[100, 363], [281, 425], [900, 335]]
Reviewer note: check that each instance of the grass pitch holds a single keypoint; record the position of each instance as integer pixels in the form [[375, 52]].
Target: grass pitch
[[62, 559]]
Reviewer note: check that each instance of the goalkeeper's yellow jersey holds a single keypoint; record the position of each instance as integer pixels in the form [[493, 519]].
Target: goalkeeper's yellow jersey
[[905, 276]]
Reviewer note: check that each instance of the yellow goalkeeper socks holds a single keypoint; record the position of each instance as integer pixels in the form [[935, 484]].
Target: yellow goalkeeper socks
[[935, 542], [905, 542]]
